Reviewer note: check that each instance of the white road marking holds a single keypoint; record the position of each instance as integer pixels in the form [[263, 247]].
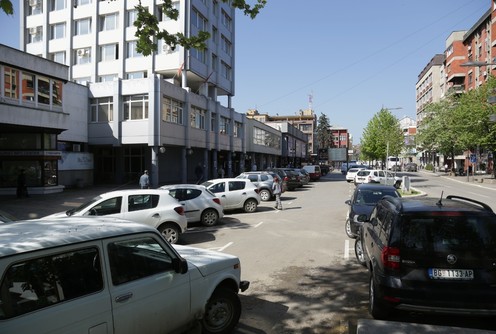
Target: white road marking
[[259, 224], [222, 249], [346, 249]]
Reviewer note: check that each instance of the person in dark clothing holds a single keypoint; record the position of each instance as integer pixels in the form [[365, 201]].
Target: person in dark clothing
[[22, 188], [199, 173]]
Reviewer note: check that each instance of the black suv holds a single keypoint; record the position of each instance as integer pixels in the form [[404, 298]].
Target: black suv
[[431, 255]]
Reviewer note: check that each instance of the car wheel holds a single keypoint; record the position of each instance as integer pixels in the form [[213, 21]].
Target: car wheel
[[360, 255], [347, 228], [209, 217], [376, 309], [222, 312], [265, 195], [250, 205], [170, 232]]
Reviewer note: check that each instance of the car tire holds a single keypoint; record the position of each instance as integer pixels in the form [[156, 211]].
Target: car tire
[[360, 255], [265, 195], [222, 312], [376, 308], [209, 217], [170, 232], [250, 206], [347, 229]]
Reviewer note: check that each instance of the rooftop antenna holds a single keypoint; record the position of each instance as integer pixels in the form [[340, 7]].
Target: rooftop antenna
[[440, 202]]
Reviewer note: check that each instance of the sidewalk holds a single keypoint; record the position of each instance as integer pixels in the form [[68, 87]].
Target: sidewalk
[[37, 206]]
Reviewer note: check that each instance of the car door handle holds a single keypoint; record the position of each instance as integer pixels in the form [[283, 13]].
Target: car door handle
[[124, 297]]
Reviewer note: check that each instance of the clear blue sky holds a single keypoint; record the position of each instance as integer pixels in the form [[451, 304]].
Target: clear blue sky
[[352, 57]]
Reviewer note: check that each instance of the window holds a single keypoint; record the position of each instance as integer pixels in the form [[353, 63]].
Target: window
[[226, 71], [198, 54], [35, 7], [57, 92], [136, 75], [215, 62], [109, 52], [198, 20], [226, 45], [57, 4], [108, 22], [215, 35], [172, 110], [131, 50], [224, 125], [57, 30], [35, 34], [38, 283], [197, 118], [81, 2], [142, 202], [107, 78], [135, 259], [226, 20], [110, 206], [11, 82], [237, 129], [132, 15], [82, 27], [136, 107], [213, 122], [28, 87], [236, 185], [102, 109], [82, 56], [59, 57]]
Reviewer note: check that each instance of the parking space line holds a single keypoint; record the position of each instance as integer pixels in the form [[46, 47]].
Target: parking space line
[[346, 249], [258, 224], [229, 244]]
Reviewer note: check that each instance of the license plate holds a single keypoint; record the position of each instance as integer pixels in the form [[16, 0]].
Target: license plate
[[451, 274]]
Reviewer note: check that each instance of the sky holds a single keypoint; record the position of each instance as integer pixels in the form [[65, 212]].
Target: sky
[[345, 59]]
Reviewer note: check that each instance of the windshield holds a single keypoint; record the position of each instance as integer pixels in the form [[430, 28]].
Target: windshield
[[82, 207]]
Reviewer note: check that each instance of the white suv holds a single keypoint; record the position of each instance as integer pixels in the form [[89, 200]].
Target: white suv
[[148, 206], [377, 176], [103, 275], [235, 193]]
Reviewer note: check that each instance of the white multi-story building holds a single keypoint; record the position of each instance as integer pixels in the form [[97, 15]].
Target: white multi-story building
[[160, 112]]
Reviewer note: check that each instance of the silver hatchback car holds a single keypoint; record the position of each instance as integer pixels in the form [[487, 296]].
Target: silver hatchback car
[[235, 193]]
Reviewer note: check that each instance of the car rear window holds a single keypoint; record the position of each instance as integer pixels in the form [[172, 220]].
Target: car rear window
[[450, 232], [372, 196]]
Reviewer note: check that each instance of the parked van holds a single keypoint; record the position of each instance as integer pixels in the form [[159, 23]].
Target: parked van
[[313, 171]]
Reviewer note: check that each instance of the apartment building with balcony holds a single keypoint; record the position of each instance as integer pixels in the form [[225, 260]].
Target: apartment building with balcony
[[161, 112]]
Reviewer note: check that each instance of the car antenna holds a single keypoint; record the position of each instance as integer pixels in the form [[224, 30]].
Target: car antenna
[[440, 203]]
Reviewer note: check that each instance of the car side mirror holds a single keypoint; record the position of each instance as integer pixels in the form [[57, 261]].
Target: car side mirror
[[348, 202], [180, 265], [362, 218]]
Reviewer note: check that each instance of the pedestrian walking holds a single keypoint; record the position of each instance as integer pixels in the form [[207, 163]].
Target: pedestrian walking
[[276, 190], [199, 173], [221, 172], [144, 180], [22, 188]]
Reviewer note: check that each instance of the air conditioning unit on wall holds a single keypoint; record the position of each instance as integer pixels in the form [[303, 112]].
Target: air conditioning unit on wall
[[82, 52], [33, 31], [34, 3]]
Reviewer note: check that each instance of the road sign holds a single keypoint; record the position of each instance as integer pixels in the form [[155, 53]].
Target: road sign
[[473, 158]]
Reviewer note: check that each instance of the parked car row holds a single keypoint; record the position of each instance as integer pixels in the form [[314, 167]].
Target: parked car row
[[429, 255]]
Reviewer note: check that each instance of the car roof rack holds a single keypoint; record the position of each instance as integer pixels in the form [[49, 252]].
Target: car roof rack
[[461, 198]]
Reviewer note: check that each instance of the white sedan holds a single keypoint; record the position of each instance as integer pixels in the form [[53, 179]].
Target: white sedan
[[153, 207], [377, 176], [200, 204], [235, 193]]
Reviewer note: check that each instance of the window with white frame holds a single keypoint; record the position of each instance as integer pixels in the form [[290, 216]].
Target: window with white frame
[[11, 82], [224, 125], [28, 88], [82, 27], [35, 34], [226, 20], [237, 129], [57, 5], [81, 2], [136, 107], [198, 20], [35, 7], [161, 14], [82, 56], [197, 118], [57, 30], [102, 109], [226, 71], [59, 57], [226, 45], [109, 21], [132, 15], [136, 75], [172, 110], [131, 50], [107, 77], [109, 52]]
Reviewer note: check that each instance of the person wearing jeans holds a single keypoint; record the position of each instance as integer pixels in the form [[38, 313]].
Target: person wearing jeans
[[276, 190]]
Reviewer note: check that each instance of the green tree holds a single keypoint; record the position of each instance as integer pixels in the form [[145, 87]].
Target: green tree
[[7, 7], [382, 136], [149, 32], [324, 135]]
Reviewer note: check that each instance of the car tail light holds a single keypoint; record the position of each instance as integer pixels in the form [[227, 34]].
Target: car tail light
[[286, 178], [390, 257], [216, 200], [179, 210]]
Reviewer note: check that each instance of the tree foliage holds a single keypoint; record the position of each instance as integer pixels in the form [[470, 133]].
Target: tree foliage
[[149, 32], [324, 135], [382, 136], [7, 7]]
